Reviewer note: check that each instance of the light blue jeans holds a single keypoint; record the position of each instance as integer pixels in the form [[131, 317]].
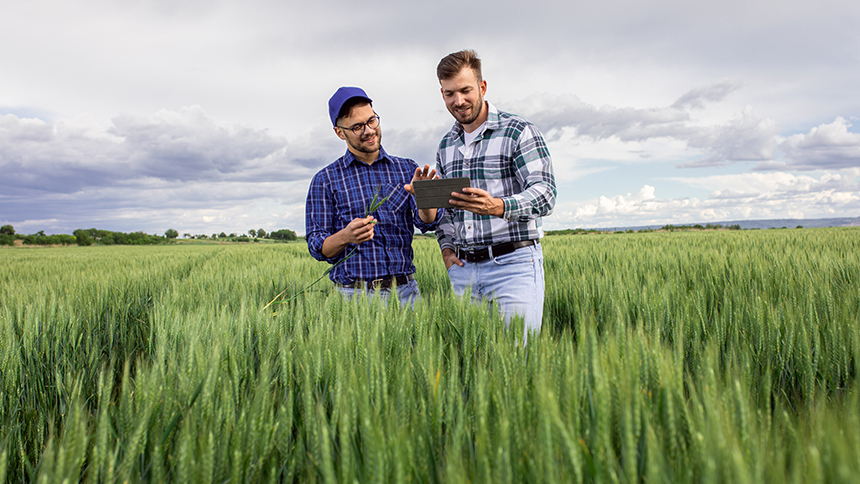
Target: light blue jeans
[[515, 282], [407, 293]]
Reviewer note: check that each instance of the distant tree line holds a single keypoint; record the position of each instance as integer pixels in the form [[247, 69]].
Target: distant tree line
[[107, 237], [282, 235], [80, 237], [572, 232], [672, 228], [668, 227], [8, 237], [85, 237]]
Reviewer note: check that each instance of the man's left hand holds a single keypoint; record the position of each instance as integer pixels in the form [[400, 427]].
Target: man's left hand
[[420, 174], [427, 215], [478, 201]]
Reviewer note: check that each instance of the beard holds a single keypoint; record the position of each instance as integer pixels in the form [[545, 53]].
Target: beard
[[470, 116], [358, 145]]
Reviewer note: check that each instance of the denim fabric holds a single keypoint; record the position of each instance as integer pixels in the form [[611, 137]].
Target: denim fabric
[[407, 294], [515, 282]]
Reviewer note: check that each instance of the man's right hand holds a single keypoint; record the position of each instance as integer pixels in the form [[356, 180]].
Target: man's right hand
[[449, 256], [358, 231]]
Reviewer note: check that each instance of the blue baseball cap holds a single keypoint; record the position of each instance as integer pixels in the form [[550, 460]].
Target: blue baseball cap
[[341, 96]]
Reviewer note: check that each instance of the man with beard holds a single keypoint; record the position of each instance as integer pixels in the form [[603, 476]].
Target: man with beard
[[490, 241], [371, 252]]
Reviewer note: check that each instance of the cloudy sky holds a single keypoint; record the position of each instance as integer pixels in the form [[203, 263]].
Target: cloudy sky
[[210, 116]]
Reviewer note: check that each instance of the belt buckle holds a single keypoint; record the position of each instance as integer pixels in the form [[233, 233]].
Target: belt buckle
[[474, 256], [377, 284]]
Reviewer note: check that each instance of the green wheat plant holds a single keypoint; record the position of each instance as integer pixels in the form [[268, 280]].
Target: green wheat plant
[[723, 356], [375, 203]]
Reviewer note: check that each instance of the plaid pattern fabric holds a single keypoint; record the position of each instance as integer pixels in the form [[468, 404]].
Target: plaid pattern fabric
[[341, 192], [511, 161]]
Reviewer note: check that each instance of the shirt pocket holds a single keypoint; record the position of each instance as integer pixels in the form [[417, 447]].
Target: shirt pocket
[[348, 207], [398, 198]]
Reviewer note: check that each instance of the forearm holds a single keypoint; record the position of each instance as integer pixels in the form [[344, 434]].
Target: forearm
[[427, 215], [334, 244], [536, 201]]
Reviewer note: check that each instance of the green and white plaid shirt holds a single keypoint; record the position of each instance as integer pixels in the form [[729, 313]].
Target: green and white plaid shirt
[[511, 161]]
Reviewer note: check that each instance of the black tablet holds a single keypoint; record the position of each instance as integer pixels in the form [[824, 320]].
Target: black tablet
[[436, 193]]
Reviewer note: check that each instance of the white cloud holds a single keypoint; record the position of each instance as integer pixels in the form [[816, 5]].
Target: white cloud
[[828, 146], [735, 197]]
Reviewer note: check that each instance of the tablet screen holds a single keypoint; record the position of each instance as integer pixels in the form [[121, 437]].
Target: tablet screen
[[436, 193]]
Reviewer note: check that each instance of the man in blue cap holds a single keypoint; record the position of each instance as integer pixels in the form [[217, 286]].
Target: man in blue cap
[[372, 252]]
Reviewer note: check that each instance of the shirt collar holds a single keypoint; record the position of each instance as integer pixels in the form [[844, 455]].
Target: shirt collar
[[350, 158]]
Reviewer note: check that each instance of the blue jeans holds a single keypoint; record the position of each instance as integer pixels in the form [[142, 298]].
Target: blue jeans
[[407, 293], [515, 282]]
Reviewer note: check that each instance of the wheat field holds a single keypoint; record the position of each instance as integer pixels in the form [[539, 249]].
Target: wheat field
[[718, 356]]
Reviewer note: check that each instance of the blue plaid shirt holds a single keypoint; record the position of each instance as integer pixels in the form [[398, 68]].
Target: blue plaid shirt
[[341, 192]]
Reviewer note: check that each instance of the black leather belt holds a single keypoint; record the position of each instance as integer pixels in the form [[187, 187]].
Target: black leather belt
[[381, 283], [485, 253]]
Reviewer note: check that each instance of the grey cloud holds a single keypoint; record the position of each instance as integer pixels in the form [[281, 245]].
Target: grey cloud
[[184, 146], [557, 112], [418, 144], [38, 157], [746, 138], [697, 98], [80, 174], [190, 145], [828, 146]]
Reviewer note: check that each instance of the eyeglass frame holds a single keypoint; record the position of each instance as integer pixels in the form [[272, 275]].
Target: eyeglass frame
[[358, 128]]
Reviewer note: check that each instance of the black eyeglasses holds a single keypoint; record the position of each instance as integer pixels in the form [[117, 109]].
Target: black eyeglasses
[[358, 129]]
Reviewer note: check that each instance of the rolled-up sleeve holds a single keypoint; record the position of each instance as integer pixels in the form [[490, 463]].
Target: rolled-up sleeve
[[534, 172], [424, 226], [319, 217]]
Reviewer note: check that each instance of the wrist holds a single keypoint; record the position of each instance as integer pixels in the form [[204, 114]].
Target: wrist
[[498, 209]]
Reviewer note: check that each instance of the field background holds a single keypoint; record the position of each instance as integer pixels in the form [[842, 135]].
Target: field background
[[721, 356]]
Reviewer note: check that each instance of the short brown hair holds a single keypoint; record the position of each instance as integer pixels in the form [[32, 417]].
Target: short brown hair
[[452, 64], [346, 109]]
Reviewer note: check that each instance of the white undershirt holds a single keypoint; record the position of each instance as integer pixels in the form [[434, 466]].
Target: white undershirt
[[468, 138]]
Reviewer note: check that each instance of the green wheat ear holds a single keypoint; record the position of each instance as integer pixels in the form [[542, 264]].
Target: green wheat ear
[[375, 203]]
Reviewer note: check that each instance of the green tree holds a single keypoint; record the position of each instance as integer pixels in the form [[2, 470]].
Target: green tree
[[7, 230], [261, 233], [283, 234], [252, 233], [82, 237], [171, 234]]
